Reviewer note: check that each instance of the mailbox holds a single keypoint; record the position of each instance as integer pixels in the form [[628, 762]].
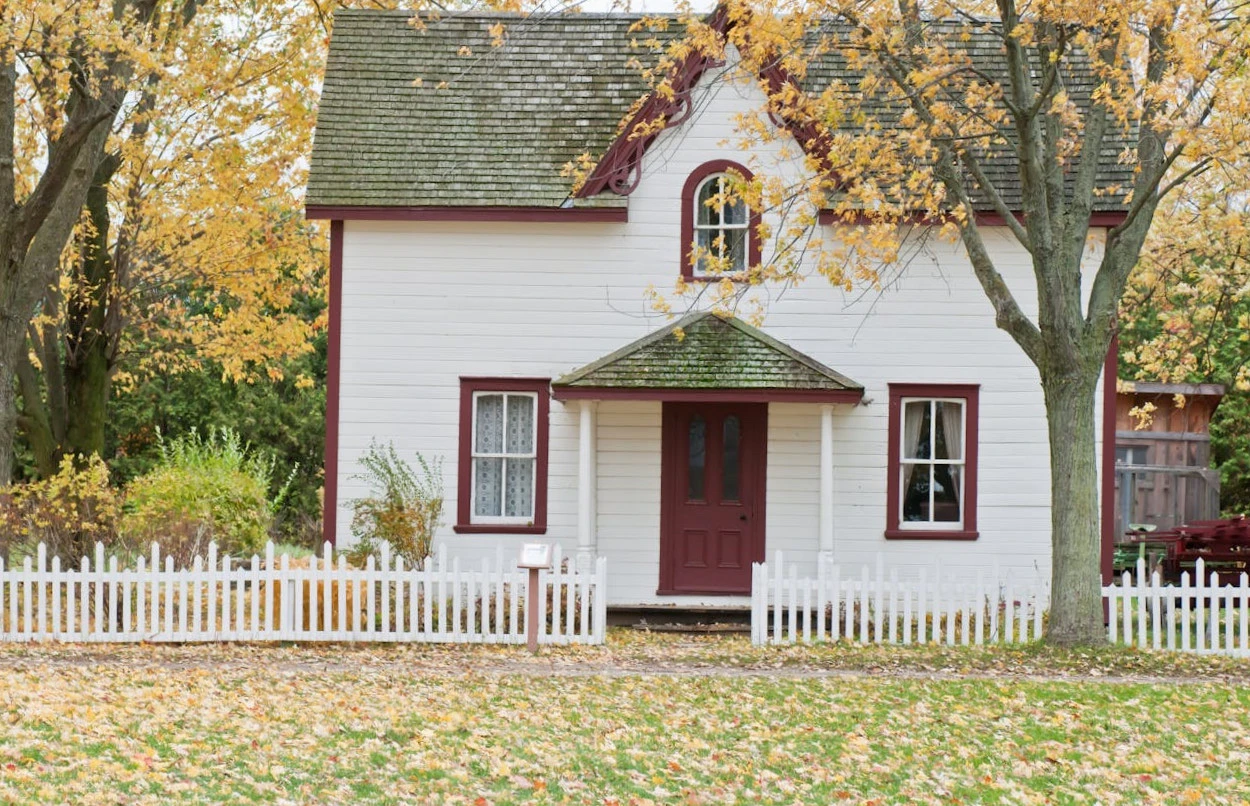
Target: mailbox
[[535, 556]]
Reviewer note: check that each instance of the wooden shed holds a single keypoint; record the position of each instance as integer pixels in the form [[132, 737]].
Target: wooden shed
[[1165, 462]]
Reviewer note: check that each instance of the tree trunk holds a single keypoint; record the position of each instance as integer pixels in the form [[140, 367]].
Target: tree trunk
[[1076, 583], [88, 342], [12, 342]]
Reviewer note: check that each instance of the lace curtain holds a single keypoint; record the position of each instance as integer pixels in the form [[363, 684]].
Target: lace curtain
[[504, 477]]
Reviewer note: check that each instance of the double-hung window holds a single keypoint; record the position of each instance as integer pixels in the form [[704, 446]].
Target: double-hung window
[[503, 455], [932, 459]]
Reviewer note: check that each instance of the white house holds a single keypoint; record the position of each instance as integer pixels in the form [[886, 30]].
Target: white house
[[483, 314]]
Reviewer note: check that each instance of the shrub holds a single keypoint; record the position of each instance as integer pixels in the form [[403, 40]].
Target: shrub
[[201, 490], [69, 511], [405, 506]]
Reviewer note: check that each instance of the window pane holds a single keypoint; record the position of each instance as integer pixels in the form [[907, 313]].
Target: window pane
[[916, 430], [708, 215], [696, 459], [704, 240], [916, 492], [735, 213], [520, 424], [736, 248], [489, 437], [946, 491], [729, 470], [950, 430], [487, 486], [519, 501]]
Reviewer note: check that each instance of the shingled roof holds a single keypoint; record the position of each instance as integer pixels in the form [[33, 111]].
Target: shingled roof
[[497, 134], [407, 121], [713, 353]]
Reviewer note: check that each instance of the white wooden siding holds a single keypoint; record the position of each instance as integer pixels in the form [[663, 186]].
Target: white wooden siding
[[427, 302]]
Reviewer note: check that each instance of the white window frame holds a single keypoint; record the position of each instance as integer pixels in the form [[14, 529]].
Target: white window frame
[[931, 525], [474, 455], [722, 227]]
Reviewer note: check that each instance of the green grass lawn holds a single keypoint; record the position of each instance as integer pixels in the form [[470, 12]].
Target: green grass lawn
[[486, 725]]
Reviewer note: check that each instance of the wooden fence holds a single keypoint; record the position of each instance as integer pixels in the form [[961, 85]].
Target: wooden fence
[[876, 607], [277, 599], [1208, 614]]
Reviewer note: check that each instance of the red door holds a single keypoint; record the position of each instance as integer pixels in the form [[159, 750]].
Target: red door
[[712, 524]]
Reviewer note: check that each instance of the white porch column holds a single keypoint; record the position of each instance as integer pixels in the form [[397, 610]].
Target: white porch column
[[826, 484], [587, 543]]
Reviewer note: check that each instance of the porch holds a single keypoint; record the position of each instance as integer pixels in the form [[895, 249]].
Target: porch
[[690, 405]]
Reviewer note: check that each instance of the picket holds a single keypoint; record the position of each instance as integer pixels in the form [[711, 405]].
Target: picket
[[272, 599]]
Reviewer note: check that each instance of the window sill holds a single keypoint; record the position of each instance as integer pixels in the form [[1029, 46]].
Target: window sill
[[931, 534], [498, 529], [735, 278]]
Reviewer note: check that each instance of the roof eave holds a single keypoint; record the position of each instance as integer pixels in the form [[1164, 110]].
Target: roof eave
[[737, 395], [336, 212]]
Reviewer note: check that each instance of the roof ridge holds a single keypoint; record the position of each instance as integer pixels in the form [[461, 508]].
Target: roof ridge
[[512, 15]]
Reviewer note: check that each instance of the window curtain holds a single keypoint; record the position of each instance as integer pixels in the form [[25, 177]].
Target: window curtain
[[913, 416], [953, 426]]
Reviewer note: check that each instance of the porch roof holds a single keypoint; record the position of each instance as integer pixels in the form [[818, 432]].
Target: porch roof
[[712, 359]]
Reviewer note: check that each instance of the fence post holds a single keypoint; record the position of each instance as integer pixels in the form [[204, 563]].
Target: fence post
[[755, 604], [531, 616], [601, 599], [778, 635]]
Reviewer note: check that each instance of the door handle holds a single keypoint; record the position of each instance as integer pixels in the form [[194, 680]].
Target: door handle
[[742, 518]]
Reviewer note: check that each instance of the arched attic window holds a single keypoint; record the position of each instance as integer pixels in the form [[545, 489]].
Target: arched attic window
[[730, 232]]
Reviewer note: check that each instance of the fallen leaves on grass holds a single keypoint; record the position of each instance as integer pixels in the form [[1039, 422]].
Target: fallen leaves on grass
[[345, 725]]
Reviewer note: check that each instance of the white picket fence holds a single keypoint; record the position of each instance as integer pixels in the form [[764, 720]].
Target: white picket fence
[[1206, 614], [879, 607], [276, 599]]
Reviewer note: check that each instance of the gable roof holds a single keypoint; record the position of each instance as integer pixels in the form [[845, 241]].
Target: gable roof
[[500, 131], [494, 128], [713, 354]]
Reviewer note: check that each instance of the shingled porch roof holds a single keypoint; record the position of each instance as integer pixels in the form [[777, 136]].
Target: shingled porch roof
[[716, 359]]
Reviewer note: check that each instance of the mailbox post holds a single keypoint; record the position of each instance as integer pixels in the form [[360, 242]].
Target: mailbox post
[[535, 557]]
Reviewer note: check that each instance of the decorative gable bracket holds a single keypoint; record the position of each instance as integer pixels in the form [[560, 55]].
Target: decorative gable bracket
[[620, 169]]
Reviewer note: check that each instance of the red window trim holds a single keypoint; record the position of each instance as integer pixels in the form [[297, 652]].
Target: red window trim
[[970, 393], [687, 217], [464, 470]]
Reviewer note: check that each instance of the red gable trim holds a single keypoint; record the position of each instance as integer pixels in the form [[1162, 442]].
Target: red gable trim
[[983, 219], [334, 338], [620, 168], [431, 213]]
